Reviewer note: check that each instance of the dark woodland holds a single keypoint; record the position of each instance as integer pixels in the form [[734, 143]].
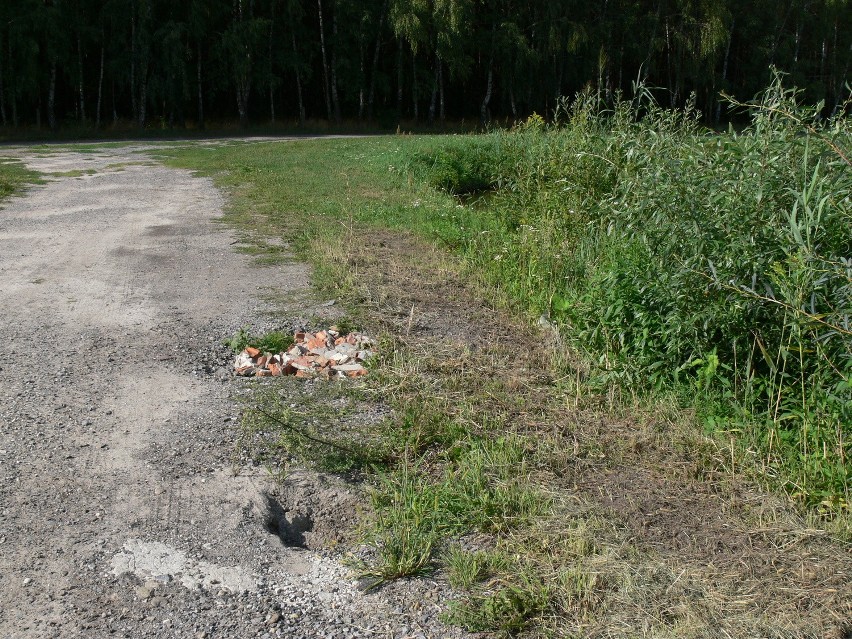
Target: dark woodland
[[166, 64]]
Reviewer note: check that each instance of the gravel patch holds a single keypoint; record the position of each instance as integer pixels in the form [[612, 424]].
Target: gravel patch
[[124, 509]]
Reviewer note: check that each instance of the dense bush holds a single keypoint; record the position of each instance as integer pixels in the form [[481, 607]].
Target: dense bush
[[682, 258]]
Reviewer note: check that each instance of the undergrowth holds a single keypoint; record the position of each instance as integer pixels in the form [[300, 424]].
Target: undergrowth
[[715, 265]]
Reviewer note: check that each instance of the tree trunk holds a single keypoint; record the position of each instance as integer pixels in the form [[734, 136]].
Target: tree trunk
[[80, 78], [335, 99], [483, 110], [114, 106], [243, 90], [100, 87], [298, 78], [133, 55], [489, 84], [838, 103], [2, 91], [399, 61], [433, 100], [727, 57], [362, 98], [271, 66], [271, 77], [414, 93], [441, 89], [143, 101], [776, 41], [324, 63], [375, 70], [200, 89], [51, 97]]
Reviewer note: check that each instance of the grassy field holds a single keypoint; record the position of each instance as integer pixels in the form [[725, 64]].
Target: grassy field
[[666, 454]]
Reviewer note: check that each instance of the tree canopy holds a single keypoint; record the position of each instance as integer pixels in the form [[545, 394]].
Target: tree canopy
[[177, 63]]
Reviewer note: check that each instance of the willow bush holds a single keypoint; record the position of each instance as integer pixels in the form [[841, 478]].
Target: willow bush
[[718, 264]]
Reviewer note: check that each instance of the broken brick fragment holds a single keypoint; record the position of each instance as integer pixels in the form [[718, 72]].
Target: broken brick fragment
[[325, 354]]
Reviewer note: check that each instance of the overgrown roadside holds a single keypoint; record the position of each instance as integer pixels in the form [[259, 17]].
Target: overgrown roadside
[[548, 510]]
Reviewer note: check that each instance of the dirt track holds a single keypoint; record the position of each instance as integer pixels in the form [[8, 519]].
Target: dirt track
[[120, 513]]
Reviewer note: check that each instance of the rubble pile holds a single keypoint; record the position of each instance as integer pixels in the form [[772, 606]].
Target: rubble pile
[[325, 354]]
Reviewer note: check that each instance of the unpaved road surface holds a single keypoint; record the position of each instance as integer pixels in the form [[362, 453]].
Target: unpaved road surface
[[121, 513]]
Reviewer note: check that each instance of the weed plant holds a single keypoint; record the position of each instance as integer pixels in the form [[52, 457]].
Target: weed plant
[[718, 265], [271, 342]]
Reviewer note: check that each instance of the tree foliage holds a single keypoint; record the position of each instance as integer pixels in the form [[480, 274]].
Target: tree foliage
[[151, 61]]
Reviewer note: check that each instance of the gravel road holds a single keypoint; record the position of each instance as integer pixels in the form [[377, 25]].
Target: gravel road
[[123, 510]]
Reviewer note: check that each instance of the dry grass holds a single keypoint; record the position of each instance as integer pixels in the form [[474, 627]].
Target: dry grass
[[656, 531]]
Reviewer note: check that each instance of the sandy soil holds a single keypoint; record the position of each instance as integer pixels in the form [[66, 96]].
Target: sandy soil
[[121, 513]]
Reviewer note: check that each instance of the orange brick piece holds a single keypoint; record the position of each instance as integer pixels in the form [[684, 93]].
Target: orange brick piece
[[252, 352]]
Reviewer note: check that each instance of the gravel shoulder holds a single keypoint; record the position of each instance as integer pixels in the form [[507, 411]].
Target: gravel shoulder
[[123, 509]]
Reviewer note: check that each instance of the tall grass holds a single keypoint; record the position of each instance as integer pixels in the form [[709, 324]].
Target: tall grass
[[719, 265]]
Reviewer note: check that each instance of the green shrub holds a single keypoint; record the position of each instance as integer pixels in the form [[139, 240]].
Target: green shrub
[[719, 264]]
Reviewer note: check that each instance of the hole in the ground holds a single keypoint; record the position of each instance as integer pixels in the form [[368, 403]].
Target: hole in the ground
[[288, 525]]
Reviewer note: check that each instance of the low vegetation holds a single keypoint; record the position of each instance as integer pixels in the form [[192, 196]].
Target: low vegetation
[[13, 177], [271, 342], [606, 474], [715, 266]]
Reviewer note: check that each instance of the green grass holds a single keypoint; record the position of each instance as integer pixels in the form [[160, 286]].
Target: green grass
[[272, 342], [709, 266], [545, 227], [14, 176]]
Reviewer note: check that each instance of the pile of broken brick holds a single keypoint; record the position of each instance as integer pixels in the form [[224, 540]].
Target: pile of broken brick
[[325, 354]]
